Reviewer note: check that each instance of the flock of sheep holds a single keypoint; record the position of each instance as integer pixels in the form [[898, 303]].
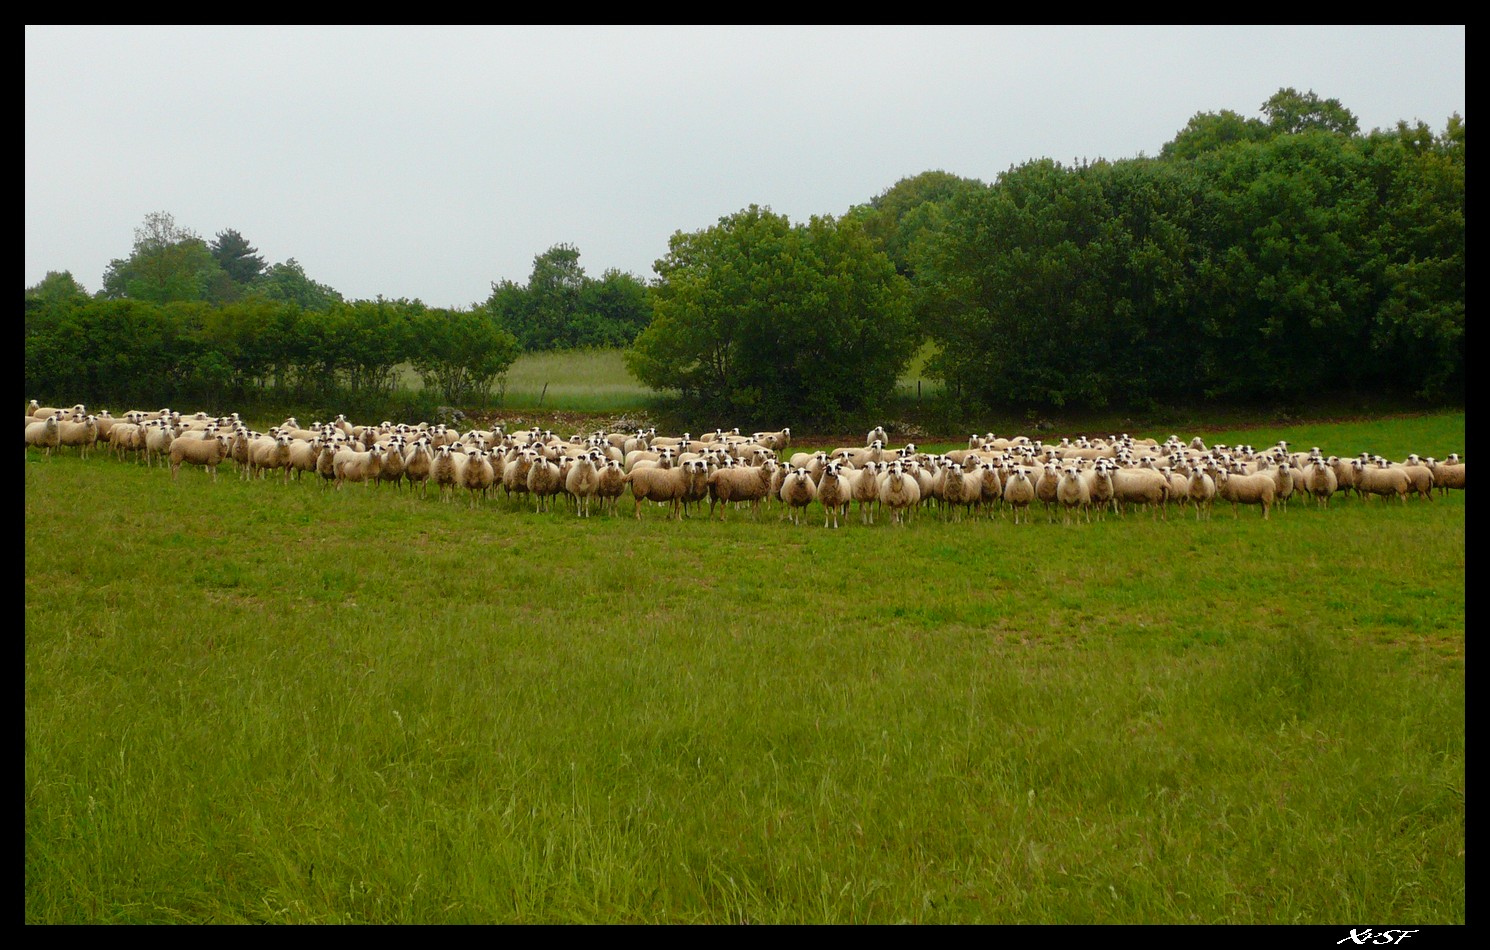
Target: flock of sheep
[[593, 472]]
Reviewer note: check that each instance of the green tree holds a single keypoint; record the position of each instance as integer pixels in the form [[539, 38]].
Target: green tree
[[561, 308], [1208, 131], [461, 353], [287, 282], [900, 219], [1289, 111], [236, 257], [759, 320], [169, 263]]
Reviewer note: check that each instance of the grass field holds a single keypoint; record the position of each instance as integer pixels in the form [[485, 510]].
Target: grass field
[[250, 702]]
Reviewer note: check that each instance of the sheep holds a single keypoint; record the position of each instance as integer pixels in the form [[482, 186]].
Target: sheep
[[303, 456], [159, 437], [353, 466], [1320, 481], [1071, 492], [1045, 488], [515, 471], [740, 483], [959, 490], [46, 435], [1099, 482], [877, 433], [205, 452], [582, 482], [1257, 489], [447, 470], [1447, 474], [775, 441], [864, 488], [797, 491], [1140, 486], [82, 434], [393, 466], [899, 491], [269, 453], [544, 482], [123, 438], [666, 485], [417, 460], [834, 493], [478, 475], [990, 487], [1019, 491], [1200, 489], [1420, 476], [611, 483], [1283, 478], [1380, 480]]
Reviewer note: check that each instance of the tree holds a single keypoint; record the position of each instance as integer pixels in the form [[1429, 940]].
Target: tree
[[57, 287], [1208, 131], [168, 263], [561, 308], [287, 282], [900, 219], [1290, 111], [461, 353], [237, 259], [760, 320]]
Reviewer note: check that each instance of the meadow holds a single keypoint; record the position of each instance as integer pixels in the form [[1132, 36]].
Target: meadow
[[252, 702]]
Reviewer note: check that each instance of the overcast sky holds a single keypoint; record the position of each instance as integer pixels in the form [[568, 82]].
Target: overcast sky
[[431, 162]]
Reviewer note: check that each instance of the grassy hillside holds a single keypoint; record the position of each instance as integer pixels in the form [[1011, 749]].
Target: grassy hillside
[[258, 702]]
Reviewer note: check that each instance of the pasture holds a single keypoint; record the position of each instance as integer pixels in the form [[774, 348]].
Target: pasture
[[251, 702]]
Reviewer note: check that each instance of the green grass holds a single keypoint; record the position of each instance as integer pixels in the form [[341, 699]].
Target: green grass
[[593, 380], [247, 702]]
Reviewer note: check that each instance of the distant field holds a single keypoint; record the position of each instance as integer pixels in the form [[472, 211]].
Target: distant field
[[572, 380], [251, 702]]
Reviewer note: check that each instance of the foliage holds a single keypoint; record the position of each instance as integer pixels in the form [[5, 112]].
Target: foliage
[[240, 261], [900, 219], [561, 308], [759, 319], [169, 263], [1253, 261], [461, 353], [288, 283]]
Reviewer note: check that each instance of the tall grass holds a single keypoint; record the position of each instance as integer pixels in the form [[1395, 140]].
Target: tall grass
[[251, 702]]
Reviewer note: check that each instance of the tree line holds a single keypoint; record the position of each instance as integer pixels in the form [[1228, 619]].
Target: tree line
[[1271, 258]]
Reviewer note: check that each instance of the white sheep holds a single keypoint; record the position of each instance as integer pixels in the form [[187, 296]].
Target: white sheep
[[208, 453], [1140, 486], [740, 483], [1379, 480], [82, 434], [610, 485], [1072, 492], [1320, 481], [1019, 492], [478, 476], [353, 466], [45, 435], [798, 491], [668, 485], [582, 482], [899, 491], [1200, 490], [544, 482], [864, 488], [1257, 489], [834, 493]]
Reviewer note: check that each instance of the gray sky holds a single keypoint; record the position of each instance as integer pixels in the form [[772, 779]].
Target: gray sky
[[431, 162]]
